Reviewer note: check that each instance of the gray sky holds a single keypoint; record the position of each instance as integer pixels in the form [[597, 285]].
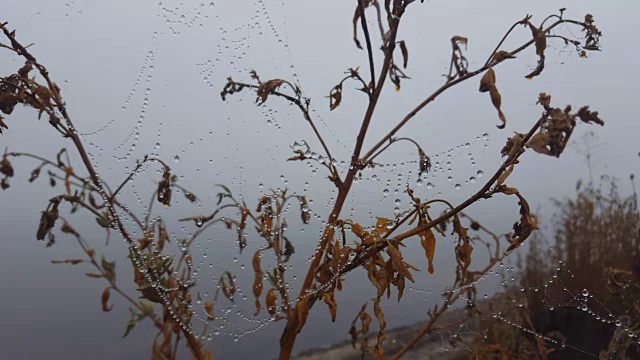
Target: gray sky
[[144, 78]]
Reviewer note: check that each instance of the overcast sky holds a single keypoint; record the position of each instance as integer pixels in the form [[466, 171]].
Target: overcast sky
[[143, 77]]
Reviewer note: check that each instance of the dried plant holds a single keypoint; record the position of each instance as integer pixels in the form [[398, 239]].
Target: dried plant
[[593, 266], [376, 249]]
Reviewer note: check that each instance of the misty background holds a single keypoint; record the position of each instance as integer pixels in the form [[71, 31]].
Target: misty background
[[145, 78]]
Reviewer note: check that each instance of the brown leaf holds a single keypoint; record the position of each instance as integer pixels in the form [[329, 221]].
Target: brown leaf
[[460, 39], [378, 350], [267, 88], [398, 264], [538, 143], [330, 300], [405, 53], [270, 301], [487, 81], [257, 281], [5, 167], [540, 40], [502, 55], [47, 222], [335, 97], [208, 309], [230, 289], [66, 228], [305, 216], [105, 299], [362, 234], [68, 261], [464, 253], [93, 275], [504, 175], [244, 213], [428, 242], [266, 223]]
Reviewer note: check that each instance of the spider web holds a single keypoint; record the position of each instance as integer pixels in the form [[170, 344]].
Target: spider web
[[172, 112]]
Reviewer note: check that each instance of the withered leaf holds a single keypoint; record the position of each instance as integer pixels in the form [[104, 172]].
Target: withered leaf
[[47, 222], [304, 210], [378, 350], [540, 41], [6, 168], [94, 275], [208, 309], [335, 97], [424, 163], [270, 301], [464, 253], [228, 289], [257, 281], [66, 228], [34, 174], [330, 300], [428, 242], [398, 264], [267, 88], [538, 143], [525, 227], [104, 299], [504, 175], [362, 234], [68, 261], [502, 55], [488, 83], [460, 39], [405, 53]]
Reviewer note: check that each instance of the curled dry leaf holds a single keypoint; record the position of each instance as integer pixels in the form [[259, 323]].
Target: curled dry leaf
[[257, 281], [47, 222], [105, 299], [330, 300], [68, 261], [504, 175], [66, 228], [244, 213], [488, 83], [335, 97], [539, 142], [424, 163], [405, 53], [460, 39], [396, 260], [208, 309], [270, 301], [34, 174], [228, 289], [540, 41], [528, 223], [6, 168], [164, 189], [428, 242], [266, 88], [464, 254], [378, 350], [305, 216], [502, 55], [364, 235]]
